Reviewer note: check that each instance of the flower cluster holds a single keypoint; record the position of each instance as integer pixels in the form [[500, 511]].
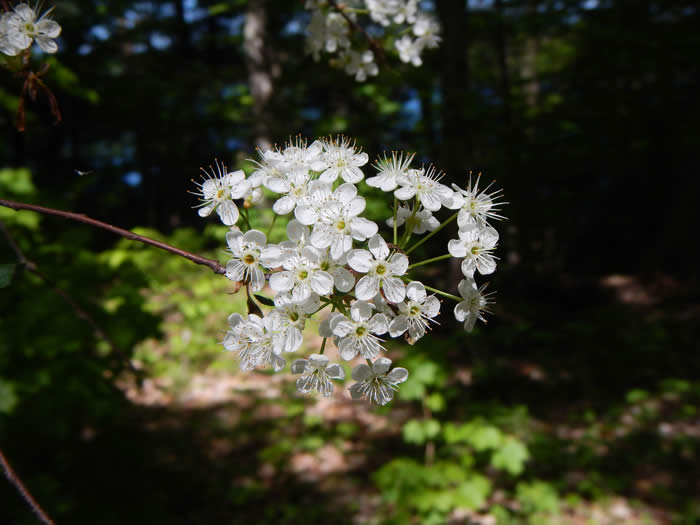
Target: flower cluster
[[334, 258], [21, 26], [332, 24]]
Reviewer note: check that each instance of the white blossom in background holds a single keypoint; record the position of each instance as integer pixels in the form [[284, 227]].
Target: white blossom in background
[[360, 64], [21, 26], [358, 334], [415, 313], [475, 245], [377, 384], [474, 306], [317, 374], [382, 271], [339, 30], [250, 250]]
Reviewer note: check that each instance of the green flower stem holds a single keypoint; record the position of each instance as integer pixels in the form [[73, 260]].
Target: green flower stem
[[244, 214], [428, 261], [323, 346], [396, 208], [410, 224], [272, 224], [448, 221]]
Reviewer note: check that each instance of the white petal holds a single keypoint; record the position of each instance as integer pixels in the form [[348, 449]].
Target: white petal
[[377, 245], [379, 324], [431, 307], [361, 372], [398, 264], [398, 375], [367, 287], [362, 228], [322, 283], [360, 260], [343, 279], [462, 311], [47, 45], [361, 311], [306, 215], [305, 384], [354, 207], [348, 349], [394, 289], [272, 256], [284, 205], [341, 326], [235, 270], [293, 339], [430, 201], [335, 371], [282, 281], [416, 291], [488, 237], [398, 326], [345, 193], [296, 231], [299, 366], [457, 248], [467, 287], [381, 365], [257, 279], [318, 360], [468, 267], [404, 193], [205, 211], [486, 264], [255, 237], [277, 184], [355, 392], [340, 245]]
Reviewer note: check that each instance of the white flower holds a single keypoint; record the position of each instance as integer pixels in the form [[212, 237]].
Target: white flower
[[342, 277], [22, 26], [477, 207], [426, 187], [302, 275], [317, 374], [388, 169], [335, 219], [250, 250], [475, 303], [377, 384], [415, 312], [298, 236], [423, 221], [257, 340], [218, 191], [475, 244], [359, 333], [294, 186], [427, 29], [340, 157], [293, 318], [359, 64], [409, 50], [381, 270]]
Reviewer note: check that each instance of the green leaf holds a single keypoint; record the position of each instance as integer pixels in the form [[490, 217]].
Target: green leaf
[[265, 300], [511, 456], [472, 493], [537, 496], [413, 432], [6, 272], [8, 398], [485, 437]]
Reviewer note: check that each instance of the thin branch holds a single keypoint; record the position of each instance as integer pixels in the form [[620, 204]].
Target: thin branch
[[215, 266], [79, 312], [14, 479]]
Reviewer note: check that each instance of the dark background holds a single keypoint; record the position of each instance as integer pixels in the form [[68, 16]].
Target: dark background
[[584, 112]]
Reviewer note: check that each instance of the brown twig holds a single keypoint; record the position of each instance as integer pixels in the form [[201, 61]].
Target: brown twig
[[215, 266], [79, 312], [14, 479]]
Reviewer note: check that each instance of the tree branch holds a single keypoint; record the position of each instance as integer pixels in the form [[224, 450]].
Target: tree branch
[[12, 477], [215, 266]]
